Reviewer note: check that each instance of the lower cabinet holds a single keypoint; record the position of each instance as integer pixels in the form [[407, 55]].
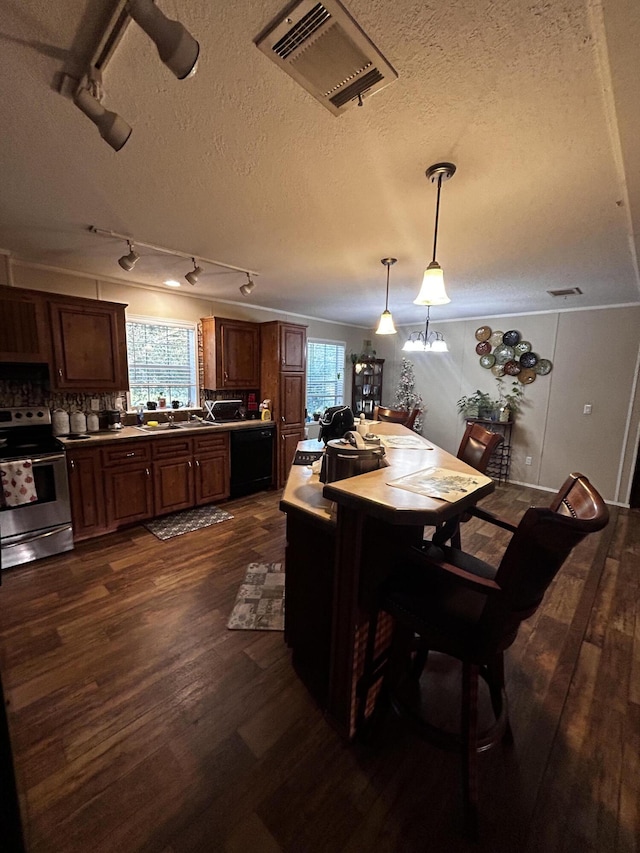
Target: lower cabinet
[[289, 439], [127, 482]]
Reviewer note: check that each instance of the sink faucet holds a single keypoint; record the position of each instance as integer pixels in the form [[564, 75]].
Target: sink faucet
[[171, 418]]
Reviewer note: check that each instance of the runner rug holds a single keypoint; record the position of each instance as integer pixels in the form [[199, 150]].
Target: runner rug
[[187, 520], [260, 601]]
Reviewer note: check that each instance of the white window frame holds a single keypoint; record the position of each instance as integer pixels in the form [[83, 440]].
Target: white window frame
[[178, 324], [342, 370]]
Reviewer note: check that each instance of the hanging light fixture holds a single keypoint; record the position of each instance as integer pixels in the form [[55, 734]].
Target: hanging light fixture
[[426, 341], [128, 262], [385, 326], [245, 289], [432, 291], [192, 277]]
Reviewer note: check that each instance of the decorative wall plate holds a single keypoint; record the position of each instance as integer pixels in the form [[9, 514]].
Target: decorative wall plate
[[512, 368], [498, 370], [483, 347], [496, 339], [483, 333], [504, 354], [487, 361], [522, 346], [528, 359], [527, 375], [511, 338], [543, 367]]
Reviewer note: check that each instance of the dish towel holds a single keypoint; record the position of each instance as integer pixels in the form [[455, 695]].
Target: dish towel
[[18, 485]]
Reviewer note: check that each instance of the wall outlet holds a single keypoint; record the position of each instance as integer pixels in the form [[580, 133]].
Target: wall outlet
[[587, 409], [95, 404], [527, 460]]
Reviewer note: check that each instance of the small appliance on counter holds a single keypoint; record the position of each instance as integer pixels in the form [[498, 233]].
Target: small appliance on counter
[[114, 419], [224, 411], [349, 456], [335, 422]]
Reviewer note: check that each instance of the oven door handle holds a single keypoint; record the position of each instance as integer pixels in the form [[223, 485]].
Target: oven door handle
[[45, 460], [28, 537]]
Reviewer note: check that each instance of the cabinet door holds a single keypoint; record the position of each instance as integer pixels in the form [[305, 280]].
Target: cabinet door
[[86, 492], [292, 394], [129, 495], [172, 485], [231, 354], [24, 335], [288, 442], [89, 346], [211, 478], [293, 348]]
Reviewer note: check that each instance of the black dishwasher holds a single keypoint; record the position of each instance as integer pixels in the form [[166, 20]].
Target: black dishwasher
[[251, 460]]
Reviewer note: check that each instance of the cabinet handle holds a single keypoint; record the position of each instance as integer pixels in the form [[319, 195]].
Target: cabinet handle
[[147, 472], [197, 463], [283, 361], [60, 372], [72, 465], [282, 419], [189, 463], [133, 453], [226, 375]]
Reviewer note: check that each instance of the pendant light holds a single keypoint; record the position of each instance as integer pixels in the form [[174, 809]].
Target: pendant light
[[385, 326], [426, 341], [432, 291]]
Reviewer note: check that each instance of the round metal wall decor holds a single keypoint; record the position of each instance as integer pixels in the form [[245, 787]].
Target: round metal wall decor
[[505, 353]]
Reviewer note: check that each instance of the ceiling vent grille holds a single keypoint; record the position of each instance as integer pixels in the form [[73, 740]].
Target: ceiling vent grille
[[326, 52], [569, 291]]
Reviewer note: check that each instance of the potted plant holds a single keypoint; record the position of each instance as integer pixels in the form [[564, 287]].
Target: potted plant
[[317, 414], [510, 400], [476, 405]]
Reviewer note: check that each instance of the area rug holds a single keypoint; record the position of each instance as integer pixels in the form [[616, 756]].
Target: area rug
[[260, 601], [187, 520]]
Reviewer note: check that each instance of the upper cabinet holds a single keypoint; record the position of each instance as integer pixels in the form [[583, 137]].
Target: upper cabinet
[[293, 348], [89, 347], [230, 353], [24, 335]]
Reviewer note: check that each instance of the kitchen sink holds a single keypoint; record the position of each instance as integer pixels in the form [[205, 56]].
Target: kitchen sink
[[194, 424], [159, 428]]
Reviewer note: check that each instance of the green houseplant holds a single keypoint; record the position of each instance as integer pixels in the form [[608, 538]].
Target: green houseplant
[[476, 405], [510, 398]]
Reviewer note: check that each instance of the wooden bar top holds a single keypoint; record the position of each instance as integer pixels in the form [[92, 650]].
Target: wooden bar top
[[371, 494]]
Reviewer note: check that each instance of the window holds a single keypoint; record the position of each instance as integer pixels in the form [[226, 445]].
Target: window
[[162, 361], [325, 374]]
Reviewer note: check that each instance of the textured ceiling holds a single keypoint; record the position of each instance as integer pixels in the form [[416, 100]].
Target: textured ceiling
[[535, 102]]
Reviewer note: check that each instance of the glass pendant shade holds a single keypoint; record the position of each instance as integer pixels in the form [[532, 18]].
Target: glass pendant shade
[[432, 291], [439, 345], [385, 326]]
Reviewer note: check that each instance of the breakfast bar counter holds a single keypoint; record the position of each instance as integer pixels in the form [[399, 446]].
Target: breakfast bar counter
[[342, 541]]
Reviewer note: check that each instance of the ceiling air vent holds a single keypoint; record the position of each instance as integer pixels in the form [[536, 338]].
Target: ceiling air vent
[[326, 52], [569, 291]]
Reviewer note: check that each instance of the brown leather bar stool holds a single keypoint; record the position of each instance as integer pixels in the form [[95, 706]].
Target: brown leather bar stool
[[396, 416], [463, 607], [475, 449]]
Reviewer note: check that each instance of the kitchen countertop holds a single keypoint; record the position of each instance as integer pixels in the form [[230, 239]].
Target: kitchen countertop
[[132, 433]]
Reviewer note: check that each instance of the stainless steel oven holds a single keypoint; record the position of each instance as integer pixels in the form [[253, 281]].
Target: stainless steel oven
[[41, 527]]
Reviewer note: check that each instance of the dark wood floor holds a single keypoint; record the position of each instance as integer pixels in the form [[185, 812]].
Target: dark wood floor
[[140, 723]]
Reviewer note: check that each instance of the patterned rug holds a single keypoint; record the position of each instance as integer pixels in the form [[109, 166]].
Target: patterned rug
[[260, 601], [185, 521]]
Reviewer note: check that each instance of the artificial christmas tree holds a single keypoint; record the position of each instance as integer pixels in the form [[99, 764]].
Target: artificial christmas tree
[[406, 398]]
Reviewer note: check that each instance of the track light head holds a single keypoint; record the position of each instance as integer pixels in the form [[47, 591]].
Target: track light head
[[112, 128], [245, 289], [176, 46], [128, 262], [192, 277]]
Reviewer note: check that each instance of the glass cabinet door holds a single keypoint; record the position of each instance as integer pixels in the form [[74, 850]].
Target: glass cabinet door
[[367, 386]]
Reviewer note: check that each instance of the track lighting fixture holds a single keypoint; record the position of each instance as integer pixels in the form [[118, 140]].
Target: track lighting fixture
[[385, 326], [112, 128], [432, 291], [245, 289], [128, 262], [176, 46], [192, 277]]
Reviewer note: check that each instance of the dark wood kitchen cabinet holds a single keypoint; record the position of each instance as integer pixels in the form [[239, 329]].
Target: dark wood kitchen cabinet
[[128, 484], [86, 491], [25, 336], [89, 347], [211, 467], [283, 381], [189, 471], [230, 354]]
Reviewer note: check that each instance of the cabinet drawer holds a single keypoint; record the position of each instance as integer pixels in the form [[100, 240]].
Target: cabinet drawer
[[211, 443], [134, 453], [172, 448]]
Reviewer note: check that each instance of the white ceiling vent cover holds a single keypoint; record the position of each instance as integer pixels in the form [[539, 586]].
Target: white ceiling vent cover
[[324, 50]]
